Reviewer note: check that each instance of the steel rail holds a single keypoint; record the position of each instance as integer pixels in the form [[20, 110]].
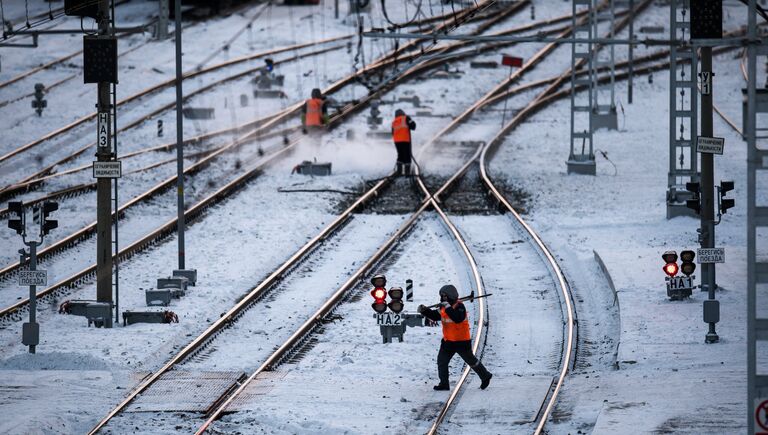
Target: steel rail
[[254, 294], [171, 145], [338, 294], [34, 179], [380, 63], [274, 359], [166, 84], [430, 201], [82, 188], [537, 103], [134, 247], [90, 229]]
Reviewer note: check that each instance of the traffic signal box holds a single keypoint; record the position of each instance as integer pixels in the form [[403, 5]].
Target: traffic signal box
[[679, 287], [694, 202], [725, 203], [17, 224], [48, 224]]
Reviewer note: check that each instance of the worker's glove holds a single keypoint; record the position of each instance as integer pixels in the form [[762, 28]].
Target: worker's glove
[[421, 308], [445, 304]]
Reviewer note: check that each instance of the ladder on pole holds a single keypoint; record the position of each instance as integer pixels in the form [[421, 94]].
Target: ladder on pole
[[581, 159], [604, 109], [683, 112], [757, 220]]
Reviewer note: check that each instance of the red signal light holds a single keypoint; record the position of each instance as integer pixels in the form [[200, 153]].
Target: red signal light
[[379, 294], [670, 269], [379, 299]]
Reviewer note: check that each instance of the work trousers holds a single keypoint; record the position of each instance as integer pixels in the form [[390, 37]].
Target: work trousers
[[403, 157], [464, 349]]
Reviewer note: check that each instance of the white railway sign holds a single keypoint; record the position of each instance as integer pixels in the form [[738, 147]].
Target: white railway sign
[[710, 255], [388, 319], [711, 145], [33, 277], [107, 169]]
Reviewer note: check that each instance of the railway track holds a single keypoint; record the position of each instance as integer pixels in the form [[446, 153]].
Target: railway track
[[13, 311], [433, 204], [329, 305], [80, 235]]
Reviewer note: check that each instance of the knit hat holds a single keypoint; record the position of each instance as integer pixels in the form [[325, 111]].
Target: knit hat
[[450, 292]]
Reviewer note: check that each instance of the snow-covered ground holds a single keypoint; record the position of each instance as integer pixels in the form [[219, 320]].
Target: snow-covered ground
[[642, 365]]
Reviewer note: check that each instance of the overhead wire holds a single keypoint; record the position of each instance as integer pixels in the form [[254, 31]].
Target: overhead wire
[[408, 22]]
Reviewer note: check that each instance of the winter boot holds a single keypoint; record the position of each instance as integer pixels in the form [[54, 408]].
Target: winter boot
[[485, 375], [441, 387]]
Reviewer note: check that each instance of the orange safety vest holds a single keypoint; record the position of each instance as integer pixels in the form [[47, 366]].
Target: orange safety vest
[[400, 130], [314, 115], [453, 331]]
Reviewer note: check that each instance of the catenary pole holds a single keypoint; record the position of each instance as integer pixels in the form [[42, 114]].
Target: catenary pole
[[104, 185], [179, 136], [631, 49], [707, 235]]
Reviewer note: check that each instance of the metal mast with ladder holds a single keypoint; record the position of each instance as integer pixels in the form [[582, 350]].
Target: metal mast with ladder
[[683, 112]]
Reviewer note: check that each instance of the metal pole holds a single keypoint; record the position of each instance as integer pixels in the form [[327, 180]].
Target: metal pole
[[751, 220], [179, 137], [336, 9], [32, 290], [631, 49], [104, 187], [115, 190], [707, 236], [162, 20]]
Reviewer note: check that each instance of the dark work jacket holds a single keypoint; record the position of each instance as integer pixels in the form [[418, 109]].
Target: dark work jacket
[[457, 314]]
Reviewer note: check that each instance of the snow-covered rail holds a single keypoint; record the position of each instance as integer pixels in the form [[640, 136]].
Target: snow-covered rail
[[263, 126], [11, 189]]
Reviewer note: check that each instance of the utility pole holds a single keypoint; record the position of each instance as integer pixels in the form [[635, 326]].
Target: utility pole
[[179, 137], [631, 49], [104, 185], [707, 230], [162, 20]]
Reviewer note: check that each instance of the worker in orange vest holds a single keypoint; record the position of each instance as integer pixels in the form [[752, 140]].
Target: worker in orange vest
[[314, 114], [401, 135], [456, 337]]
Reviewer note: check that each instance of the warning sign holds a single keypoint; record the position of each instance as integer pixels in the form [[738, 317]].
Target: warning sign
[[761, 416], [112, 169], [710, 145]]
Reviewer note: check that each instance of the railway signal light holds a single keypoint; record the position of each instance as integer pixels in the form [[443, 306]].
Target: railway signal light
[[396, 294], [17, 208], [49, 224], [706, 19], [39, 103], [688, 266], [379, 299], [670, 260], [695, 202], [725, 203]]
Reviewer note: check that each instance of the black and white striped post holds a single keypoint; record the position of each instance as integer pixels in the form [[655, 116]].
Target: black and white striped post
[[159, 128], [409, 290]]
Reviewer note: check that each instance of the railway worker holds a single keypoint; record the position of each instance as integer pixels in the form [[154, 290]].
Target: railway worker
[[314, 114], [401, 135], [456, 337]]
